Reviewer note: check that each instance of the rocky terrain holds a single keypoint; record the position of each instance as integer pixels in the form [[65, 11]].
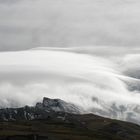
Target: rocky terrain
[[52, 120], [48, 107]]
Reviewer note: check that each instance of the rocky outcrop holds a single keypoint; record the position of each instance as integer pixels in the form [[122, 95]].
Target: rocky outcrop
[[48, 107]]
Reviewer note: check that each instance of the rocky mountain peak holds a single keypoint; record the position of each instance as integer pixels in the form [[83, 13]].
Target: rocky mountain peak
[[58, 105], [48, 107], [47, 102]]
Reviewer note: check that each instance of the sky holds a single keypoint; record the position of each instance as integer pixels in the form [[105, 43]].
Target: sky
[[27, 24], [82, 51]]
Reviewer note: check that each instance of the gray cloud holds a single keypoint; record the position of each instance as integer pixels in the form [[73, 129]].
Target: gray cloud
[[32, 23]]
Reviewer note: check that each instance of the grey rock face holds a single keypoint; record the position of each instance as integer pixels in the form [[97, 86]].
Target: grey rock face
[[58, 105], [46, 109]]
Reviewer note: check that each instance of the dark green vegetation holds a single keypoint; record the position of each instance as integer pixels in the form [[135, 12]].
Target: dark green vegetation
[[65, 126]]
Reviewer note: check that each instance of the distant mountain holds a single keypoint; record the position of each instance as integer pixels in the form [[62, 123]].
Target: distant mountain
[[58, 105], [52, 120], [42, 110]]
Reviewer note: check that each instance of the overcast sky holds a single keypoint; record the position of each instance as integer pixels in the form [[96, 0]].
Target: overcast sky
[[61, 23], [76, 60]]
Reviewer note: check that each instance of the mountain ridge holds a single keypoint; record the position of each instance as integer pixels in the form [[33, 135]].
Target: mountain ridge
[[52, 120]]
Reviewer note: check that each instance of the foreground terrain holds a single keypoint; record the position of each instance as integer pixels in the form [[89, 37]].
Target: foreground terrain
[[69, 127]]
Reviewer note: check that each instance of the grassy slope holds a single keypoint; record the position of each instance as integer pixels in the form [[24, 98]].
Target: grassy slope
[[74, 127]]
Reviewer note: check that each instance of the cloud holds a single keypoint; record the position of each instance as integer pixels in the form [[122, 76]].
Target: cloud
[[31, 23], [102, 82], [82, 74], [87, 70]]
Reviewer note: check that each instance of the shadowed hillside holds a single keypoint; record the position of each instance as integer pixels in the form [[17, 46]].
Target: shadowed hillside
[[64, 126]]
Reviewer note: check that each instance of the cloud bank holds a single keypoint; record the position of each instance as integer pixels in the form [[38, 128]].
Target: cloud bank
[[106, 85]]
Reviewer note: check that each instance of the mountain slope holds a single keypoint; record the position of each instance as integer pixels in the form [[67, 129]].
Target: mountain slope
[[52, 120], [64, 126]]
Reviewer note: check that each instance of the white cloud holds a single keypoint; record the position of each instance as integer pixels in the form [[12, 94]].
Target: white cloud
[[66, 75]]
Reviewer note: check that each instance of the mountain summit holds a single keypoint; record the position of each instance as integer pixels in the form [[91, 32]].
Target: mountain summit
[[58, 105], [48, 107]]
